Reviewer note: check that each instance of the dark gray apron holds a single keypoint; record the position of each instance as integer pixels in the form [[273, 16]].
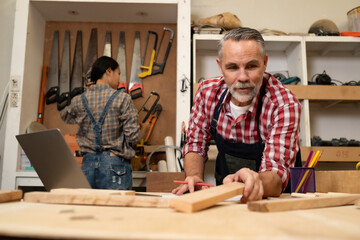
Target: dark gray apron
[[232, 156]]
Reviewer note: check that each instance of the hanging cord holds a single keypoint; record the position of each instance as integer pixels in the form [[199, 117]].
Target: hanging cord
[[161, 147]]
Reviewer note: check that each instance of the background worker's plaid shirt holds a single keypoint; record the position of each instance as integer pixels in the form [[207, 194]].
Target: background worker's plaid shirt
[[279, 124], [120, 127]]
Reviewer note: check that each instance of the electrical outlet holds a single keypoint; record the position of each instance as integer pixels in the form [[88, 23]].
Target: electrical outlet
[[15, 84], [14, 99]]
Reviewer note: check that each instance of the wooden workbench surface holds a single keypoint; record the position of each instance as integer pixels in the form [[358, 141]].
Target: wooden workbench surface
[[227, 220]]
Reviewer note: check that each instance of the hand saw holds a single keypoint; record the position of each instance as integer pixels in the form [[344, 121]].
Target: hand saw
[[51, 90], [150, 67], [77, 81], [107, 45], [91, 55], [121, 59], [159, 67], [64, 79], [136, 84]]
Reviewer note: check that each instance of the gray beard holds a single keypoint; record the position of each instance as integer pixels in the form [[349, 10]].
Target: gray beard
[[243, 98]]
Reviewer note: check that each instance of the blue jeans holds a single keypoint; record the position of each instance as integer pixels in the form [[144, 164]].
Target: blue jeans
[[107, 172]]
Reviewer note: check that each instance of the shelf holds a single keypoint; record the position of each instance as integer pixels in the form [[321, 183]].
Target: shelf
[[333, 154], [324, 92], [160, 11]]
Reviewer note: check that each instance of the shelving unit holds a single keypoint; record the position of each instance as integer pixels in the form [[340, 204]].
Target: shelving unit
[[31, 19], [327, 111]]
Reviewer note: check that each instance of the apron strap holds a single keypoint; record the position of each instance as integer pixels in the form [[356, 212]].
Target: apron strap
[[97, 125]]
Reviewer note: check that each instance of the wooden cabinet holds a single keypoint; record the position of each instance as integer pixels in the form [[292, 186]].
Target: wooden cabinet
[[327, 111], [28, 53]]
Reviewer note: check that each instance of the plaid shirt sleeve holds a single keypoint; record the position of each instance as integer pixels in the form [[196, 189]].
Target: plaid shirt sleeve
[[201, 114]]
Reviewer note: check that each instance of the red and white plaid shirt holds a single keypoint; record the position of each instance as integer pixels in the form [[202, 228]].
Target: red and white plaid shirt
[[279, 123]]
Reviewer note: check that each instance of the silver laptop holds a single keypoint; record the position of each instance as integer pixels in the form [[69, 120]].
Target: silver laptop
[[52, 159]]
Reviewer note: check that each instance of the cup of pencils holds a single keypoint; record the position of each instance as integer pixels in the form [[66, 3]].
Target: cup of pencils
[[303, 178]]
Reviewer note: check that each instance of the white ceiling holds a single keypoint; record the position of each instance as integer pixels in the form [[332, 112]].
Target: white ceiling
[[107, 12]]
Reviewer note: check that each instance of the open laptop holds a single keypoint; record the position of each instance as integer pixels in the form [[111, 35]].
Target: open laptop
[[52, 159]]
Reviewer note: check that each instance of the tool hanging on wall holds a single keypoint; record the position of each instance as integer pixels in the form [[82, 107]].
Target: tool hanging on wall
[[159, 67], [40, 118], [64, 79], [91, 56], [51, 89], [77, 81], [150, 123], [151, 109], [121, 59], [152, 58], [136, 84], [107, 45]]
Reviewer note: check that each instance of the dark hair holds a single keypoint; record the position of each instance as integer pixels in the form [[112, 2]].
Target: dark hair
[[100, 66], [243, 33]]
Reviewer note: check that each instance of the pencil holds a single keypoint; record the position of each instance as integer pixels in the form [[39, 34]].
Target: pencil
[[196, 184]]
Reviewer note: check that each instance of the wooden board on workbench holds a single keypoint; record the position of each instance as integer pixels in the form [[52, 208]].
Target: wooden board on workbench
[[164, 84], [193, 202], [10, 195], [96, 199], [286, 204]]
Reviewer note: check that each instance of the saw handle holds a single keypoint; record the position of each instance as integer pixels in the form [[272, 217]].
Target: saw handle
[[76, 91], [136, 91], [122, 87], [63, 100], [52, 95]]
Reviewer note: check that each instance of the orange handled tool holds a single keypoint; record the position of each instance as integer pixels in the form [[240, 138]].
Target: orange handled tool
[[40, 118]]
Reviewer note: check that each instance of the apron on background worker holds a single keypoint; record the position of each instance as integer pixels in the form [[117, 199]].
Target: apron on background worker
[[232, 156], [103, 169]]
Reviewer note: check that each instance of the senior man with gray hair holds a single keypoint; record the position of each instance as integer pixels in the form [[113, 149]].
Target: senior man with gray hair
[[253, 118]]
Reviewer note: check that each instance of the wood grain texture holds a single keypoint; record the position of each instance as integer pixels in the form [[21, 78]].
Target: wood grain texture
[[338, 181], [196, 201], [97, 200], [93, 191], [162, 181], [302, 203], [10, 195], [225, 221]]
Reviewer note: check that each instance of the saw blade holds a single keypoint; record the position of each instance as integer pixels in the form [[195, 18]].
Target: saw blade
[[76, 81], [64, 79], [136, 84], [121, 59], [51, 89], [91, 55], [107, 45]]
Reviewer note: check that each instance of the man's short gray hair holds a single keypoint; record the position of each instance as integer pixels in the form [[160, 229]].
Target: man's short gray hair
[[243, 33]]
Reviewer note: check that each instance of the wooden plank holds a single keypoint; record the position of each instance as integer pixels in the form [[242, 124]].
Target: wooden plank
[[93, 191], [98, 200], [302, 203], [324, 92], [333, 154], [338, 181], [10, 195], [196, 201], [162, 181]]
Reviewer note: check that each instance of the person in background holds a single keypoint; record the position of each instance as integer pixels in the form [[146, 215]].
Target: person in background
[[252, 117], [108, 126]]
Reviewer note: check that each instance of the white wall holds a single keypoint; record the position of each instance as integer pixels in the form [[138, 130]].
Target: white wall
[[284, 15], [7, 14]]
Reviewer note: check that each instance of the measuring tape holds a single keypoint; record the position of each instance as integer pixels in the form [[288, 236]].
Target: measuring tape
[[358, 166]]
